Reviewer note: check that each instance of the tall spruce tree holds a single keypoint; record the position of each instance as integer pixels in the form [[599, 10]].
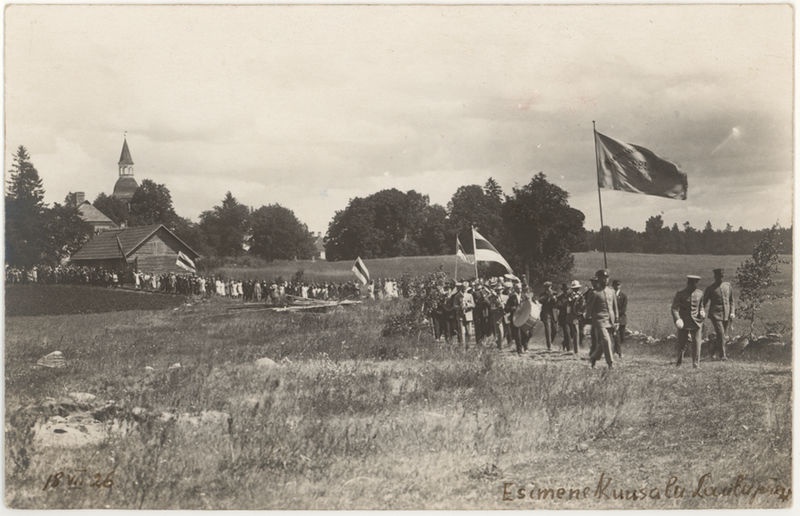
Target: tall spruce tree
[[26, 242]]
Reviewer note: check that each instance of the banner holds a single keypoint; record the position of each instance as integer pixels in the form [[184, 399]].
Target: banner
[[460, 252], [485, 252], [632, 168], [184, 262], [361, 272]]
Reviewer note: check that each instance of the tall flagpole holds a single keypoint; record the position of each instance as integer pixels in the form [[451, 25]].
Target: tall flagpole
[[474, 252], [455, 274], [599, 197]]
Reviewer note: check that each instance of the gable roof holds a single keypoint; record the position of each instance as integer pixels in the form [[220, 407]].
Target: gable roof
[[117, 244], [91, 214]]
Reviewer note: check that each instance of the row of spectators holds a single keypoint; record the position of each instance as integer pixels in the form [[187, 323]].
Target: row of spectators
[[270, 291]]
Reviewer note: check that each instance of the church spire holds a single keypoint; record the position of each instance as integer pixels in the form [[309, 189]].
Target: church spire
[[125, 161]]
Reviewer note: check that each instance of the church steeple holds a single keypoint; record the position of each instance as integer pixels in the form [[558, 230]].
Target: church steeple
[[125, 161], [126, 185]]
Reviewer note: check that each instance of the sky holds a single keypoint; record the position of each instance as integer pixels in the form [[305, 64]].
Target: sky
[[310, 106]]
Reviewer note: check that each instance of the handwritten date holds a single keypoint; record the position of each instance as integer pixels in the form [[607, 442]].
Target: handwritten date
[[78, 479]]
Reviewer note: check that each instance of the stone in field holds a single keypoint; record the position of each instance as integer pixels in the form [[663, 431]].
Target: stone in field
[[82, 397], [54, 360], [176, 365], [266, 363]]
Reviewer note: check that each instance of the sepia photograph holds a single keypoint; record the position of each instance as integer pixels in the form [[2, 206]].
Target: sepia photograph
[[398, 257]]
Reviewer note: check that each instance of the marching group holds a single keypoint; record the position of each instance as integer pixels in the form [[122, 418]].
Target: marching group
[[504, 312]]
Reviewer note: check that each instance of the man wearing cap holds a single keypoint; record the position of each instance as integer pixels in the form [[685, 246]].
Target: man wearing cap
[[548, 301], [688, 315], [586, 318], [604, 314], [721, 309], [622, 304]]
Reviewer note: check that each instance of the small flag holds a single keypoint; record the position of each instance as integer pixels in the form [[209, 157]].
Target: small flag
[[460, 252], [485, 252], [632, 168], [361, 272], [185, 263]]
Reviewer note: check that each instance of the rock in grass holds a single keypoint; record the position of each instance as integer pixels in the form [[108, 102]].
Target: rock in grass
[[82, 397], [176, 365], [54, 360], [266, 363]]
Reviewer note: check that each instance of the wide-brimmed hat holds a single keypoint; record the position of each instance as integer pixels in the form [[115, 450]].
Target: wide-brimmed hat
[[575, 284]]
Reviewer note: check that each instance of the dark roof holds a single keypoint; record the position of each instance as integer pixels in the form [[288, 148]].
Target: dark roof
[[91, 214], [106, 245], [125, 187], [125, 155]]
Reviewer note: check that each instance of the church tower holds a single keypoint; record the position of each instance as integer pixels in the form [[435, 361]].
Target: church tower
[[126, 185]]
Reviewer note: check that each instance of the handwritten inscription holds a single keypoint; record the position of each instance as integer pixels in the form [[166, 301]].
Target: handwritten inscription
[[79, 479], [705, 487]]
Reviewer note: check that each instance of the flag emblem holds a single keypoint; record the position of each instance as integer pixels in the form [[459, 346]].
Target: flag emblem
[[361, 272], [633, 168], [485, 252], [460, 252], [185, 263]]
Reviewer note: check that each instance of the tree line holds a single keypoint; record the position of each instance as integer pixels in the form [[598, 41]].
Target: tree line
[[40, 234], [657, 238], [534, 227]]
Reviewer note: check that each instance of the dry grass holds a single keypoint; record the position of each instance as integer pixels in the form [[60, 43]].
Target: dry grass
[[350, 420]]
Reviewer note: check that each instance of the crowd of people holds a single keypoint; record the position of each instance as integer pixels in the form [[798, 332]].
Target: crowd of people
[[498, 309], [505, 312]]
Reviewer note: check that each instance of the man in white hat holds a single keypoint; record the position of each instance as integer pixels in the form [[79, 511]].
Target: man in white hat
[[688, 315]]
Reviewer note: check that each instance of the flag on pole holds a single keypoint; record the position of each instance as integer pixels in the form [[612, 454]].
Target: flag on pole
[[632, 168], [185, 263], [361, 272], [460, 252], [485, 252]]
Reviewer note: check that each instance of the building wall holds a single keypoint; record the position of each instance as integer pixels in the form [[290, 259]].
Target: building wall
[[158, 254]]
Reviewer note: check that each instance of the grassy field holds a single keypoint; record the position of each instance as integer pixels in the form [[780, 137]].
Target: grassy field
[[342, 418]]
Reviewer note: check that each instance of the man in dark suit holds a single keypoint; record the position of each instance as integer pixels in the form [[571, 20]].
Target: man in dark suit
[[718, 297], [622, 306], [514, 300], [688, 315]]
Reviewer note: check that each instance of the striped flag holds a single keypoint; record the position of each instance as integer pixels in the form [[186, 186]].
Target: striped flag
[[361, 272], [485, 252], [460, 252], [632, 168], [185, 263]]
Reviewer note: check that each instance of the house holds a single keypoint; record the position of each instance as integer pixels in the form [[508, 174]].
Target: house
[[319, 246], [152, 249], [96, 218]]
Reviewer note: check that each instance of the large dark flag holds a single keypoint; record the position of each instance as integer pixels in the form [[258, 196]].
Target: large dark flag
[[632, 168], [361, 272], [485, 252]]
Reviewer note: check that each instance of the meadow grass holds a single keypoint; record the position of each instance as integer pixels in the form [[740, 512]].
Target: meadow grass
[[348, 419]]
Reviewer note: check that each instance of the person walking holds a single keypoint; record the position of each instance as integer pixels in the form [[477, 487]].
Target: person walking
[[549, 300], [604, 315], [622, 304], [688, 315], [575, 304], [720, 305]]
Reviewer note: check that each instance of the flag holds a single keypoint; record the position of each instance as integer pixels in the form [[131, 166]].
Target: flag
[[485, 252], [185, 263], [460, 252], [361, 272], [632, 168]]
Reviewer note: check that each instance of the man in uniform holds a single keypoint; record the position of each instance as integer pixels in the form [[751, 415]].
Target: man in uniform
[[563, 305], [622, 304], [548, 301], [575, 309], [586, 318], [688, 315], [604, 314], [718, 298]]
